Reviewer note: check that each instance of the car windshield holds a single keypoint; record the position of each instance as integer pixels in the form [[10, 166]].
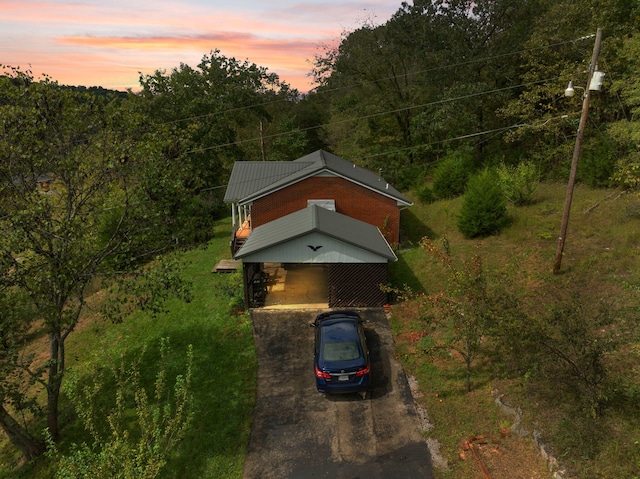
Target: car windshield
[[340, 351]]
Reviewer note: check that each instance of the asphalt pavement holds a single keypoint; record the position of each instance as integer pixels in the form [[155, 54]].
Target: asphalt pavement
[[299, 433]]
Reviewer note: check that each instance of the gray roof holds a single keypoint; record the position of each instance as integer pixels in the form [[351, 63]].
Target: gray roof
[[317, 219], [253, 179]]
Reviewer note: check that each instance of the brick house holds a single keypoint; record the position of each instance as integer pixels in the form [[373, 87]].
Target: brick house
[[319, 209]]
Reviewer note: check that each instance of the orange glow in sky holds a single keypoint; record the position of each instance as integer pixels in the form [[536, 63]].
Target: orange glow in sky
[[109, 44]]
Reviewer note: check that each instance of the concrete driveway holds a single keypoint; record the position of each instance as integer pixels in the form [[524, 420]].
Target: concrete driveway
[[300, 433]]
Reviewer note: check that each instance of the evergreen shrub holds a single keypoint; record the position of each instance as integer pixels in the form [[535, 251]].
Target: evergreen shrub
[[484, 207]]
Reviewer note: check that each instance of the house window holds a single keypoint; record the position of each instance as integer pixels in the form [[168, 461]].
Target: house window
[[327, 204]]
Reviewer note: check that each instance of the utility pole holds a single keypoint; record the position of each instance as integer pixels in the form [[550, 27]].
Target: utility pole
[[576, 154], [264, 156]]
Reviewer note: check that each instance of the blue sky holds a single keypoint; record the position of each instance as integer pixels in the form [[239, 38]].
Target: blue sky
[[99, 43]]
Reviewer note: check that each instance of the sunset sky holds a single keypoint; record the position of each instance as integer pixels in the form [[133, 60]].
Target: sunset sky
[[107, 43]]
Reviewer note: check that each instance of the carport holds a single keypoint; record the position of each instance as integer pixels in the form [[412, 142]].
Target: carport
[[315, 257]]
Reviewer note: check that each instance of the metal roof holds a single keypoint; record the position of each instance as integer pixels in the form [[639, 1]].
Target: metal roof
[[320, 220], [250, 176], [252, 180]]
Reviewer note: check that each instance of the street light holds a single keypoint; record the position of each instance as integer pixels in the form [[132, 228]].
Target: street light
[[594, 83], [569, 92]]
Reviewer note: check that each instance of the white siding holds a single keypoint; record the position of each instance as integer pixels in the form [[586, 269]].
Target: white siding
[[297, 250]]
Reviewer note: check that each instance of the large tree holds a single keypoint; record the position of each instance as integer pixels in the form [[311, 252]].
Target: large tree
[[75, 205], [221, 111], [402, 92]]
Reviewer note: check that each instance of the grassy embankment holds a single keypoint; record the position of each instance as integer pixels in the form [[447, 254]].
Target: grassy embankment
[[602, 261]]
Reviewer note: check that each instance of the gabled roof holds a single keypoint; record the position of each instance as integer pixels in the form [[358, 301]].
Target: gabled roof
[[317, 219], [253, 179]]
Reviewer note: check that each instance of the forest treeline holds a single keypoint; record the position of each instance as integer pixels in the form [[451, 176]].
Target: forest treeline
[[97, 183]]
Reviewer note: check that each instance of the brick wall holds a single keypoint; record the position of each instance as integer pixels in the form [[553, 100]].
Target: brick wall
[[351, 200]]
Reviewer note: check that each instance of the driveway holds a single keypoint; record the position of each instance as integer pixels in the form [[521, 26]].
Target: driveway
[[300, 433]]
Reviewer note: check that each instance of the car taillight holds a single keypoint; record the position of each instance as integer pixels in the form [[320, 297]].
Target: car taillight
[[364, 371], [322, 374]]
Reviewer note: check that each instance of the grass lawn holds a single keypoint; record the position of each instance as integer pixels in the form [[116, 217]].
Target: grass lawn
[[224, 375]]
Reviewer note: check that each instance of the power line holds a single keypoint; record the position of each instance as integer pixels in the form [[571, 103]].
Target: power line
[[382, 79], [415, 147], [372, 115]]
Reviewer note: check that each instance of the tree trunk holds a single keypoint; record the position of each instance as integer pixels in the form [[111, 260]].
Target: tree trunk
[[29, 446], [54, 382]]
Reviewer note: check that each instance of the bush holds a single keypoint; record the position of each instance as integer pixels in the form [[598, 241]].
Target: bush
[[519, 182], [425, 194], [450, 178], [134, 438], [597, 165], [484, 208]]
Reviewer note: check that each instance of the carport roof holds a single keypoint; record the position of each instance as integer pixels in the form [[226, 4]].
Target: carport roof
[[253, 179], [317, 219]]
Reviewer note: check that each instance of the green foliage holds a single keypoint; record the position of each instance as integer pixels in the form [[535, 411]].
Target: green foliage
[[232, 287], [596, 164], [425, 194], [142, 427], [459, 313], [625, 133], [484, 210], [76, 207], [578, 343], [518, 182], [451, 176], [147, 289]]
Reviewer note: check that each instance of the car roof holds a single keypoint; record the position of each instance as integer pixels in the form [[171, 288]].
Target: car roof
[[339, 329], [337, 315]]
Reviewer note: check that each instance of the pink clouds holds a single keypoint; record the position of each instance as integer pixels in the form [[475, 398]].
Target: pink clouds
[[86, 43]]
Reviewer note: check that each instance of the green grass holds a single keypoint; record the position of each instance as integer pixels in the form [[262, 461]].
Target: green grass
[[224, 375], [602, 260]]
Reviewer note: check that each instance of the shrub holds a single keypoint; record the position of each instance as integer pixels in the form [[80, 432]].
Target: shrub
[[450, 178], [484, 208], [519, 182], [425, 194], [134, 438]]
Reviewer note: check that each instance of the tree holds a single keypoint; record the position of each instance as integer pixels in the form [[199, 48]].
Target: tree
[[461, 313], [74, 208], [451, 176], [484, 207], [214, 112], [16, 317], [558, 50], [436, 71], [462, 309], [625, 133]]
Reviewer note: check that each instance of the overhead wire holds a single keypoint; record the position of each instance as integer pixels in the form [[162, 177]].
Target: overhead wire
[[371, 115], [377, 80]]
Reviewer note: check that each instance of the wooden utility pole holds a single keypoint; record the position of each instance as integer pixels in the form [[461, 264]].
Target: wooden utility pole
[[264, 156], [576, 154]]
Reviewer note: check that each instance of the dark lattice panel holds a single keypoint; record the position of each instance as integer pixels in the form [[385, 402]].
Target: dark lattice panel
[[357, 285]]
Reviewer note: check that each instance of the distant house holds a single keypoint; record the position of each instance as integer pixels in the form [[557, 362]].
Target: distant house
[[319, 209]]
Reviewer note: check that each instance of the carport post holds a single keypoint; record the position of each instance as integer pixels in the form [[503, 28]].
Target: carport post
[[245, 284]]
